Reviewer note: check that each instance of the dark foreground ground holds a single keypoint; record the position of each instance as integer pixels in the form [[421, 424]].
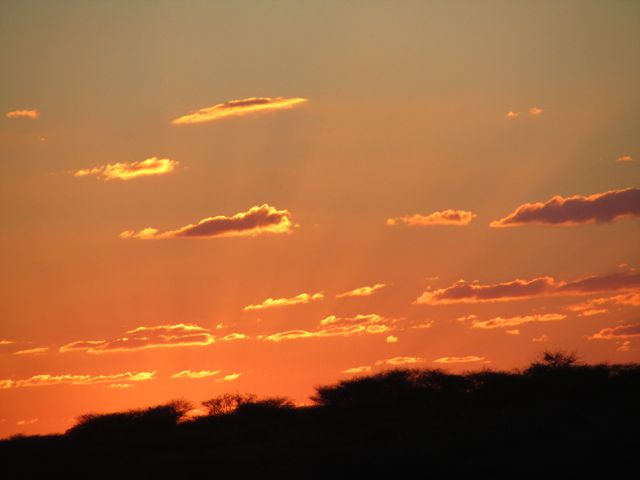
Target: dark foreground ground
[[556, 419]]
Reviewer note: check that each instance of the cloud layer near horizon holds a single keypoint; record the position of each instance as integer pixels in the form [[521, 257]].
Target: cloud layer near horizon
[[161, 336], [362, 291], [445, 217], [31, 114], [303, 298], [333, 326], [255, 221], [130, 171], [465, 292], [46, 379], [597, 208], [236, 108]]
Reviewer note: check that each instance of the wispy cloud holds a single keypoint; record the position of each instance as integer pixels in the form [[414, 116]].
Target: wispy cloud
[[535, 111], [541, 339], [231, 377], [512, 114], [70, 379], [356, 370], [199, 374], [362, 291], [132, 170], [236, 108], [467, 359], [601, 305], [161, 336], [303, 298], [32, 351], [500, 322], [333, 326], [620, 332], [578, 209], [255, 221], [392, 339], [396, 361], [31, 114], [445, 217], [465, 292], [6, 342], [624, 158]]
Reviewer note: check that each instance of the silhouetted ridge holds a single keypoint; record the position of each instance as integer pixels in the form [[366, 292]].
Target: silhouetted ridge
[[556, 418]]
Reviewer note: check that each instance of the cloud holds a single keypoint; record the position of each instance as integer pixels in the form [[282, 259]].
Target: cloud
[[598, 306], [363, 369], [624, 346], [333, 326], [284, 302], [541, 339], [465, 292], [231, 377], [69, 379], [511, 114], [621, 332], [578, 209], [392, 339], [31, 114], [446, 217], [195, 374], [467, 359], [236, 108], [624, 158], [396, 361], [32, 351], [141, 338], [132, 170], [500, 322], [512, 332], [362, 291], [535, 111], [6, 342], [255, 221], [27, 422]]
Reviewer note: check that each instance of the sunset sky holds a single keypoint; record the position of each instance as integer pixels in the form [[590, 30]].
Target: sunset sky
[[205, 197]]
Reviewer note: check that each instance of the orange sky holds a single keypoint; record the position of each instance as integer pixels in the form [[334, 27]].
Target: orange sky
[[264, 197]]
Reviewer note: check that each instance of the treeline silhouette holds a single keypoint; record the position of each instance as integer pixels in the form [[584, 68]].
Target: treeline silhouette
[[558, 418]]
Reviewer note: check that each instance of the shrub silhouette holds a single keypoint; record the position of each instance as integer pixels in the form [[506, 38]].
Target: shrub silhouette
[[226, 403], [558, 417], [152, 420]]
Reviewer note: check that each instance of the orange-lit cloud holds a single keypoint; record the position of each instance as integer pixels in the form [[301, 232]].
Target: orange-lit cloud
[[598, 306], [624, 346], [195, 374], [624, 158], [236, 108], [141, 338], [396, 361], [541, 339], [512, 332], [6, 342], [465, 292], [446, 217], [132, 170], [535, 111], [284, 302], [392, 339], [231, 377], [253, 222], [621, 332], [334, 326], [500, 322], [31, 114], [362, 291], [363, 369], [27, 422], [46, 379], [512, 114], [467, 359], [597, 208], [32, 351]]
